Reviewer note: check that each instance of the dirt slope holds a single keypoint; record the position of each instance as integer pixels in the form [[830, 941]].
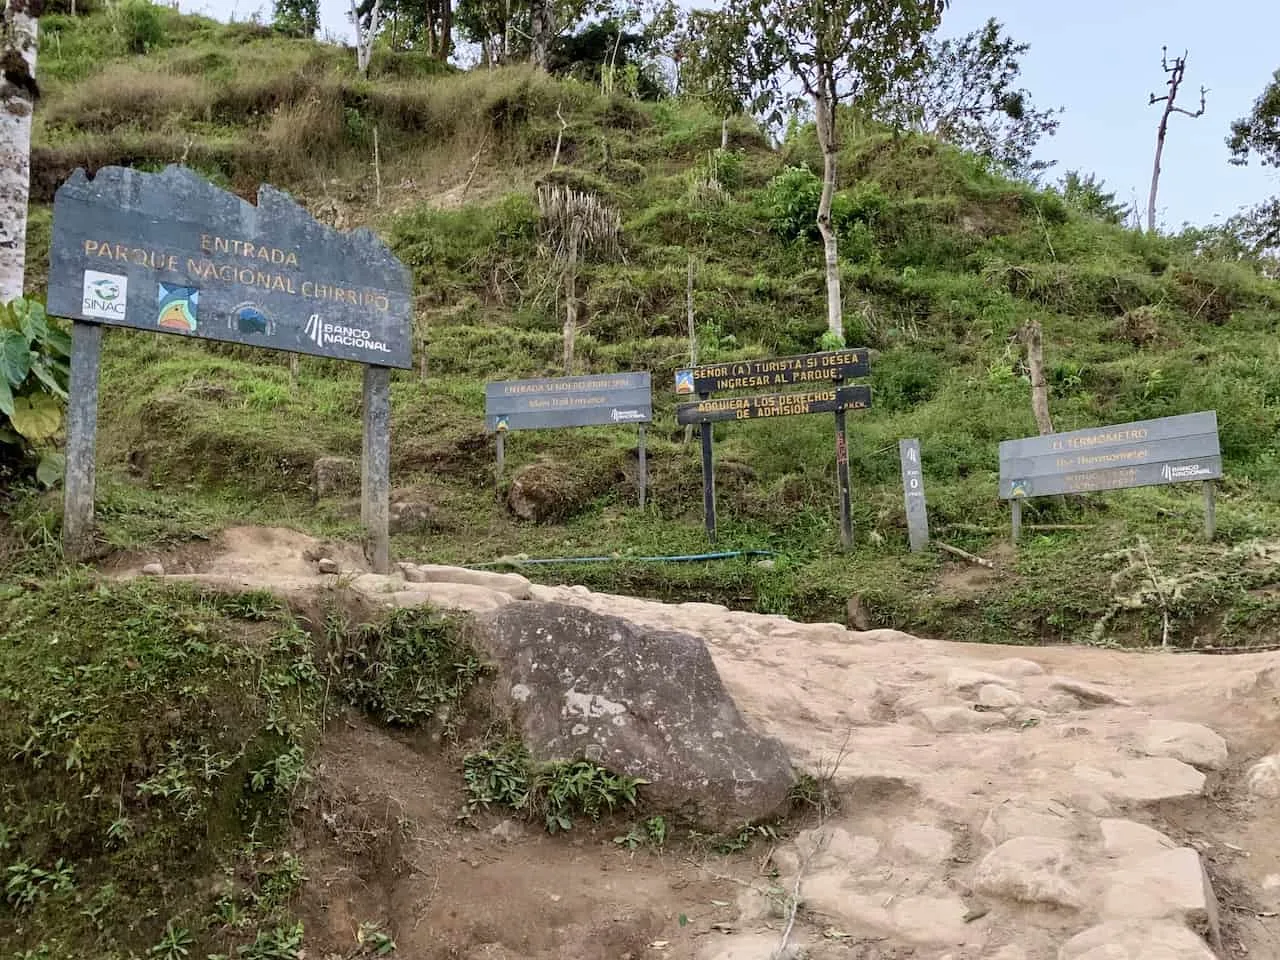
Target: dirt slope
[[998, 803]]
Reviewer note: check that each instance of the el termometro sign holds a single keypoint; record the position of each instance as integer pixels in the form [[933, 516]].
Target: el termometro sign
[[172, 253]]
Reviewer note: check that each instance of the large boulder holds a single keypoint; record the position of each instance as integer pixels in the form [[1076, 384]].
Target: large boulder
[[640, 701]]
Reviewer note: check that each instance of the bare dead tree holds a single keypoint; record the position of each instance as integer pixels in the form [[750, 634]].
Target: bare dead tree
[[366, 31], [1176, 72], [575, 225]]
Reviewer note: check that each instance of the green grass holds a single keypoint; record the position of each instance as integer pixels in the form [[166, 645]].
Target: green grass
[[944, 260]]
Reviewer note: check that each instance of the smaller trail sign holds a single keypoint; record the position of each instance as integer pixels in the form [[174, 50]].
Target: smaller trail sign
[[775, 405], [810, 368], [913, 494], [1144, 453], [823, 373], [171, 253], [611, 399]]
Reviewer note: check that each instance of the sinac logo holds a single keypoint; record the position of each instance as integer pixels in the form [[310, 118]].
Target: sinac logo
[[105, 289]]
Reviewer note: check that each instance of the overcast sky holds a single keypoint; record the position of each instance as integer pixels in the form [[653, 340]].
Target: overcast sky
[[1102, 75]]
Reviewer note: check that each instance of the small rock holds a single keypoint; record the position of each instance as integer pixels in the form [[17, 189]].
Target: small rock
[[413, 516], [1027, 817], [1136, 941], [1169, 884], [1125, 838], [959, 719], [1264, 777], [766, 564], [1016, 667], [1089, 693], [508, 831], [858, 618], [412, 574], [1144, 779], [327, 565], [994, 695], [961, 680], [920, 841], [153, 570], [1189, 742], [1029, 870]]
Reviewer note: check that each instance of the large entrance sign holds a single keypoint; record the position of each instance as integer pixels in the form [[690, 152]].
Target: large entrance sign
[[1145, 453], [610, 399], [824, 374], [171, 253]]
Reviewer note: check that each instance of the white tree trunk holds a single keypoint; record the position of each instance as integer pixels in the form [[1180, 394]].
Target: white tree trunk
[[826, 122], [15, 151], [366, 35]]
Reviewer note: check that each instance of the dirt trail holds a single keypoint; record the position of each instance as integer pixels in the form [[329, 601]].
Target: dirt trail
[[998, 803]]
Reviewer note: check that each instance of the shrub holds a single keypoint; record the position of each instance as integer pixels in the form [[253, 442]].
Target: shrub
[[34, 371], [138, 24]]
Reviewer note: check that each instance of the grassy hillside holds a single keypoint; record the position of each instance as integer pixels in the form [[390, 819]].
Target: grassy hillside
[[944, 260]]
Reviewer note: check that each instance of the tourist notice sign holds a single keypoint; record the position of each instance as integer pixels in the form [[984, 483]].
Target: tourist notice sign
[[172, 253], [614, 398], [831, 400], [809, 368], [1178, 449]]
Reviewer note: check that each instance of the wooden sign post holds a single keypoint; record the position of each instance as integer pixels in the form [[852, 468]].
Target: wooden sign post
[[831, 367], [171, 253], [1144, 453], [553, 402]]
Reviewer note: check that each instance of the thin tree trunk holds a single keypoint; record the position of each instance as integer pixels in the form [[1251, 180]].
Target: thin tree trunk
[[724, 132], [1155, 172], [826, 123], [1031, 336], [15, 148], [571, 299]]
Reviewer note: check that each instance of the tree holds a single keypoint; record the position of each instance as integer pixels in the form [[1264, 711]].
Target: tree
[[1176, 74], [1086, 194], [836, 52], [297, 17], [708, 43], [366, 17], [509, 29], [18, 93], [966, 93], [1259, 133]]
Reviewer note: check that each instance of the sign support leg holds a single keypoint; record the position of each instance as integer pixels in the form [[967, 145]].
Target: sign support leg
[[376, 480], [643, 473], [842, 480], [82, 435], [501, 457], [708, 479], [1017, 519], [1210, 510]]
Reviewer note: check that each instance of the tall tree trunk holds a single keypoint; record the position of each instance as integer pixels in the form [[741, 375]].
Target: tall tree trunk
[[824, 111], [540, 14], [1155, 172], [571, 298], [16, 105], [724, 132], [1034, 341]]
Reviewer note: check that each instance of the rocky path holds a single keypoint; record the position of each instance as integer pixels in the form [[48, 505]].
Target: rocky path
[[998, 803]]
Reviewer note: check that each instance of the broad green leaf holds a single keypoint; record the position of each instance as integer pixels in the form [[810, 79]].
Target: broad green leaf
[[15, 357], [47, 373], [58, 341], [6, 398], [35, 324], [51, 468], [36, 417]]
